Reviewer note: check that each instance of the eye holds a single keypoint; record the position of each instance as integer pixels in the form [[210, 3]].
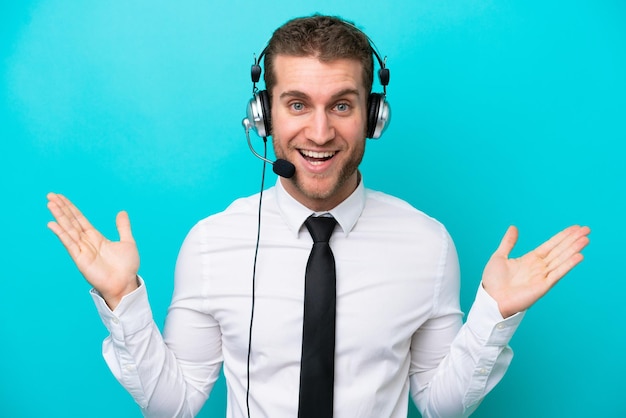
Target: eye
[[342, 107], [297, 106]]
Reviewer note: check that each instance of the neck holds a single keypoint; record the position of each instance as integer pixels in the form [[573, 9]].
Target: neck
[[322, 203]]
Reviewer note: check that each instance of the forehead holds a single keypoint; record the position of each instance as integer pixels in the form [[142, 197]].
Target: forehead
[[304, 73]]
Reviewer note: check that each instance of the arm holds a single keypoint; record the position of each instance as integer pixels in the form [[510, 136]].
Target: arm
[[454, 366], [169, 376]]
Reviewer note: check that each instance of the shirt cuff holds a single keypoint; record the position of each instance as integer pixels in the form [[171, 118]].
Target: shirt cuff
[[131, 315], [486, 323]]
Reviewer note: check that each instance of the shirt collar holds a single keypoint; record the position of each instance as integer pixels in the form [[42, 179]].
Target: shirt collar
[[295, 213]]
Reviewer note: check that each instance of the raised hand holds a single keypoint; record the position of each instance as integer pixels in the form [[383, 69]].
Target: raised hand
[[518, 283], [110, 267]]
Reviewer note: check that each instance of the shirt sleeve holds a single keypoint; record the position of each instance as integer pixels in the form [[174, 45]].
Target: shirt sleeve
[[165, 374], [454, 365]]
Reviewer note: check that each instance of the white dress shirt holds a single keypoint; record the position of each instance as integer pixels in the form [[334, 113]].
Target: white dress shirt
[[399, 328]]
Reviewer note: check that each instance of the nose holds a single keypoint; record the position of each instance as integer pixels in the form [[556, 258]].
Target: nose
[[320, 129]]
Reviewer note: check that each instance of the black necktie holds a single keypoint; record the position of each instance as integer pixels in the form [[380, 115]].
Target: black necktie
[[317, 367]]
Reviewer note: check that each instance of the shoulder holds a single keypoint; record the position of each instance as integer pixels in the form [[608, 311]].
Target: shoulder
[[240, 215], [386, 205], [396, 214]]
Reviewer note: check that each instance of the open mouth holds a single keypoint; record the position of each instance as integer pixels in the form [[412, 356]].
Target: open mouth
[[316, 158]]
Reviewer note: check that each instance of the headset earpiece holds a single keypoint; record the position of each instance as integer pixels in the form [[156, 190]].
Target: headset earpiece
[[378, 110], [264, 98], [378, 115], [259, 113], [259, 109]]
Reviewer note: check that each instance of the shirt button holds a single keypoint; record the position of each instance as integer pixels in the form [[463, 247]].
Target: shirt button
[[129, 367], [500, 326], [483, 371], [115, 320]]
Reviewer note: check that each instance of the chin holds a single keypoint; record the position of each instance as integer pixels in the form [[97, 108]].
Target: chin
[[323, 188]]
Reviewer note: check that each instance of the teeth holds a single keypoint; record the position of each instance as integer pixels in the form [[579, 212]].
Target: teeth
[[314, 154]]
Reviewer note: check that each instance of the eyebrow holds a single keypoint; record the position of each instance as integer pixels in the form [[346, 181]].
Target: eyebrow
[[301, 95]]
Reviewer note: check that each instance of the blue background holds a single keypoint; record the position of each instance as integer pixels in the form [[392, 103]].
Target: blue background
[[504, 112]]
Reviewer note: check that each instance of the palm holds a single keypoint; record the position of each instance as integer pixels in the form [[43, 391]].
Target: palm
[[101, 260], [518, 283], [110, 267]]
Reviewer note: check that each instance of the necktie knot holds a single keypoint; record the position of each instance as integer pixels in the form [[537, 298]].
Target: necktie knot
[[320, 227]]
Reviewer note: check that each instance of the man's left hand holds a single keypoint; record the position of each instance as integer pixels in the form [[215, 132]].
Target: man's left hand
[[517, 283]]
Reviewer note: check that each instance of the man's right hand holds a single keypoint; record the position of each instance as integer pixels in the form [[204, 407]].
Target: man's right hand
[[110, 267]]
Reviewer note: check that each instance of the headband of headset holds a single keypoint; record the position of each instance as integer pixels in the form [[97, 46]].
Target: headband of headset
[[378, 110]]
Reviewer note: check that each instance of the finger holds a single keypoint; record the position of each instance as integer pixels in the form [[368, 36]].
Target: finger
[[66, 239], [563, 268], [63, 215], [76, 215], [508, 242], [572, 251], [569, 243], [544, 249], [64, 228], [75, 231], [122, 222]]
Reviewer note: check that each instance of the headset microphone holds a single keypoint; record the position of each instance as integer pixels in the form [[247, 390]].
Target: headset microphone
[[281, 167]]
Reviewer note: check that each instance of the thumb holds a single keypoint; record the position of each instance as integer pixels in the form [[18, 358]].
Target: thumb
[[123, 227], [508, 242]]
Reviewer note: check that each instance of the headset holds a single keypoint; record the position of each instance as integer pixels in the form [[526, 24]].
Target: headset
[[378, 110]]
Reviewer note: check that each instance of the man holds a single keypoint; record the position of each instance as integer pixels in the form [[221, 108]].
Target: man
[[399, 328]]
